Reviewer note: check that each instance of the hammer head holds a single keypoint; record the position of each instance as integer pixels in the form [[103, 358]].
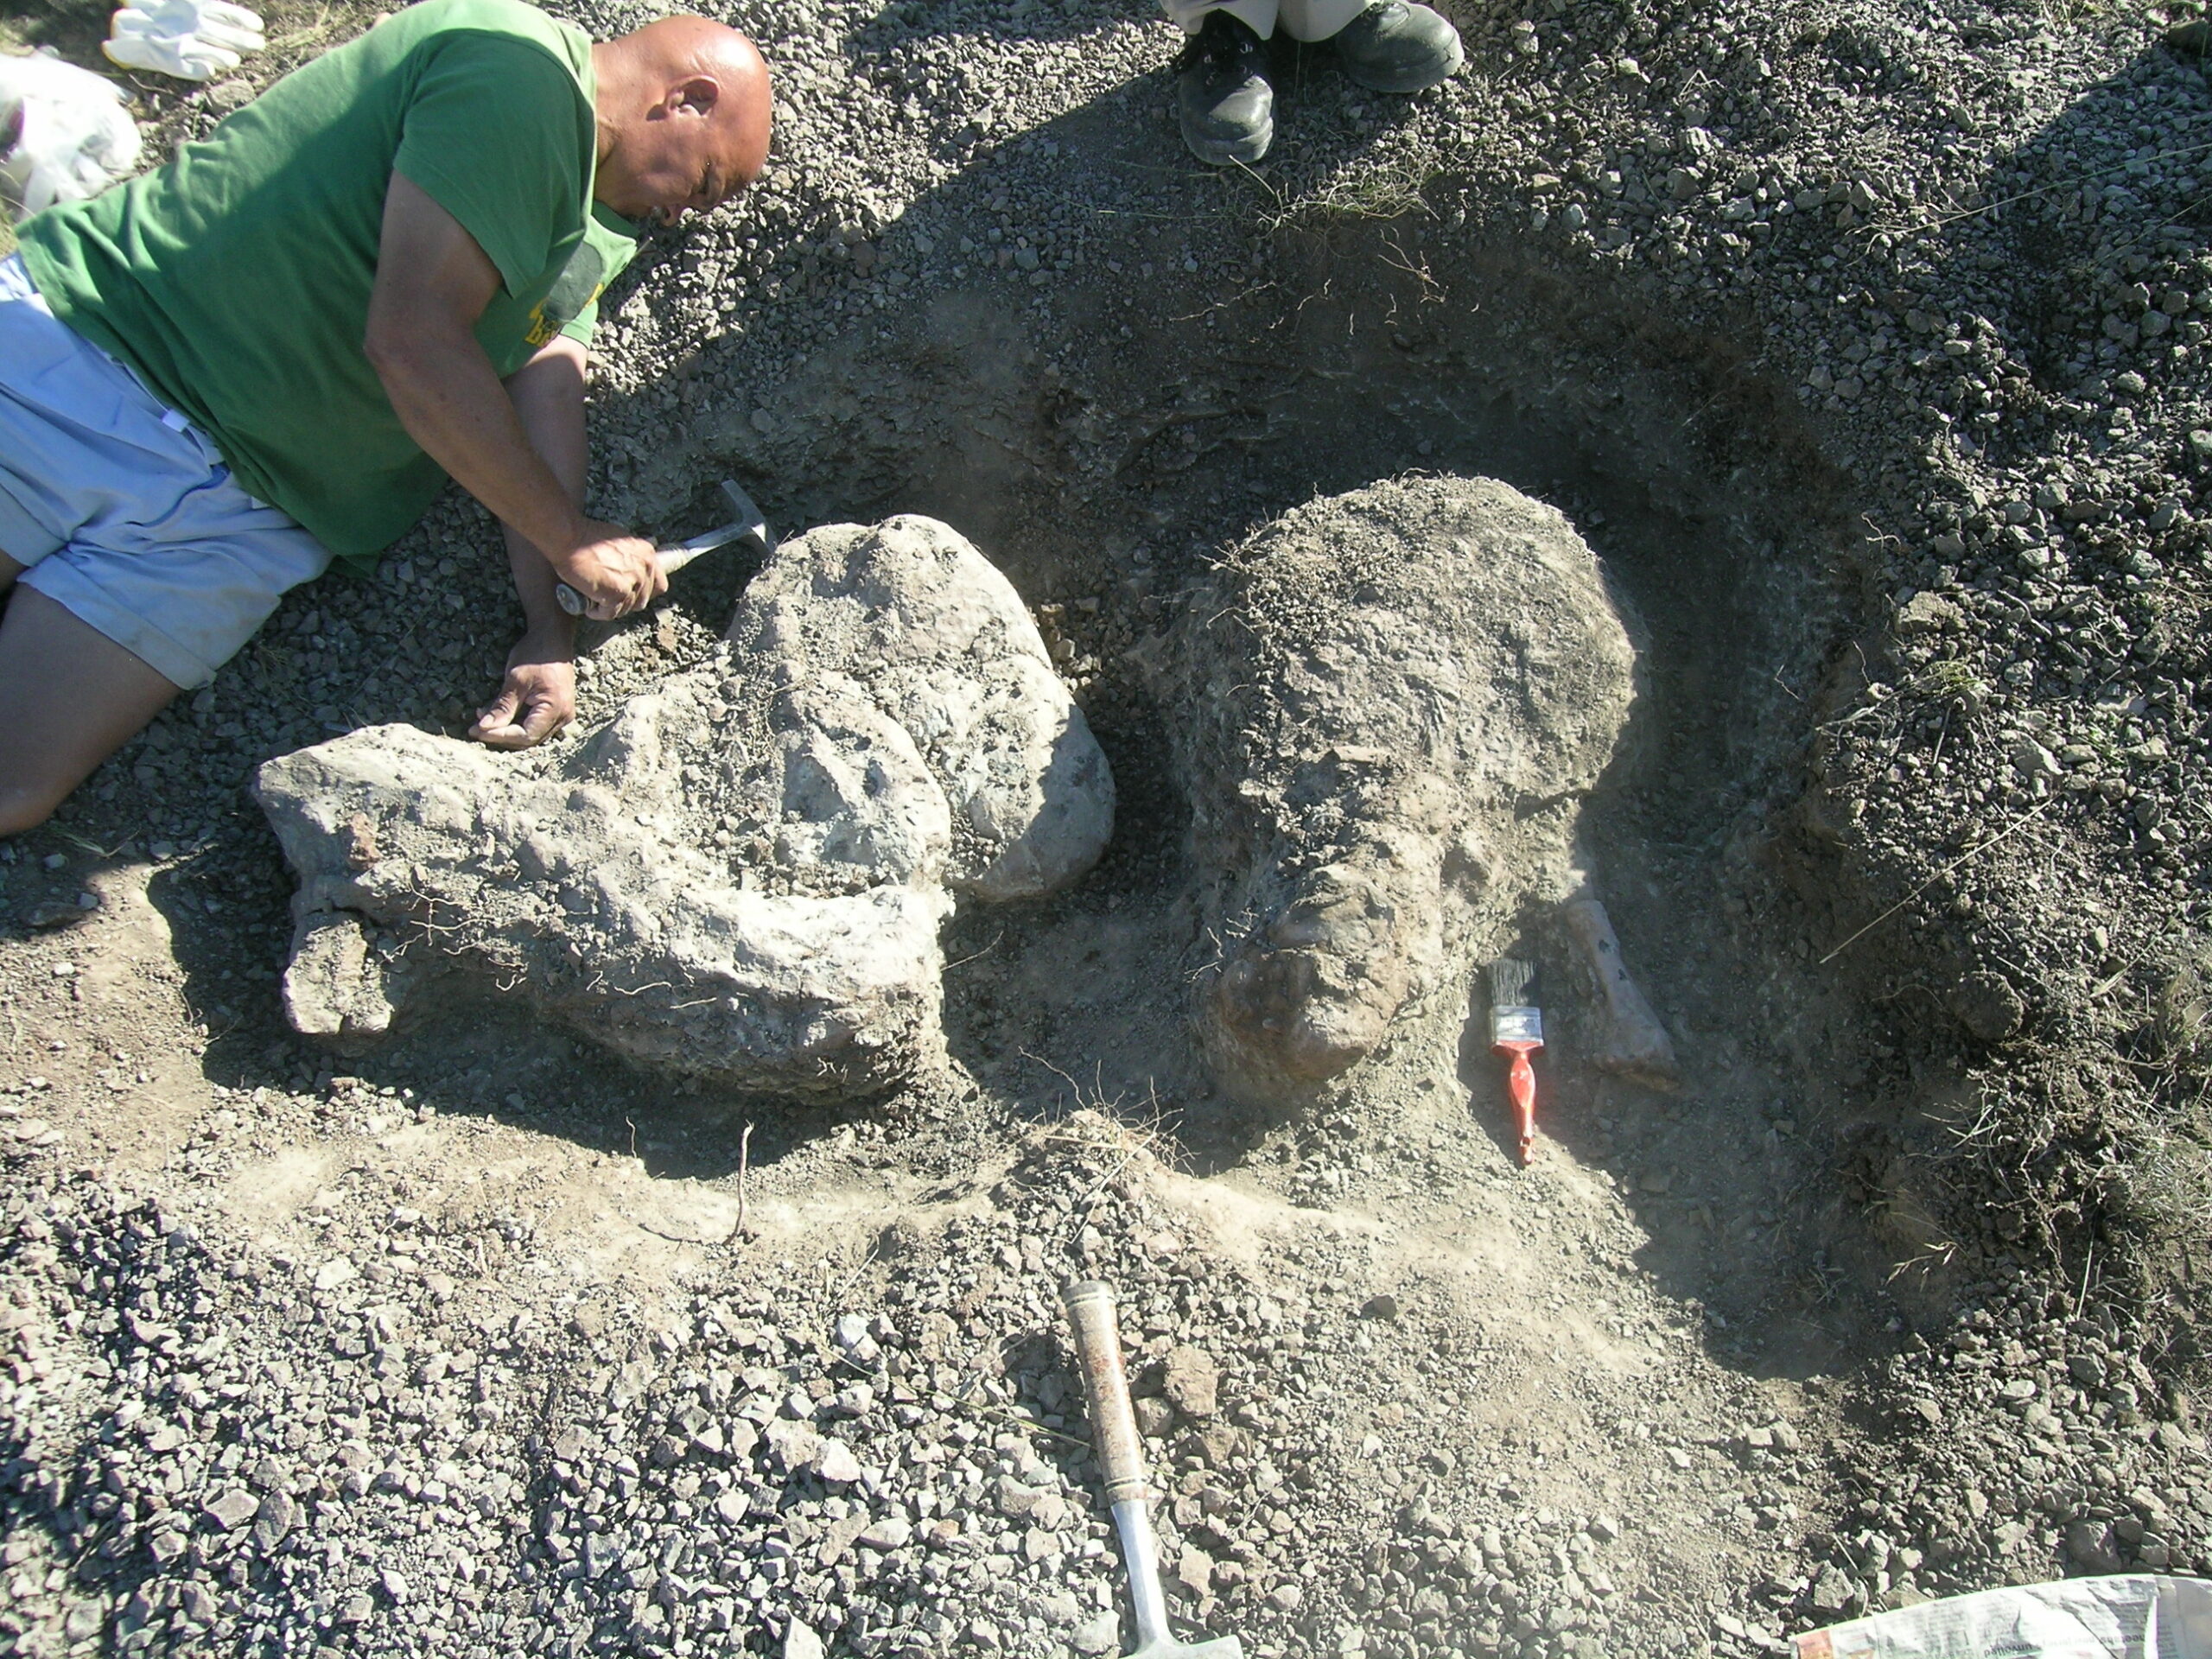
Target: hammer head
[[755, 522], [1220, 1647]]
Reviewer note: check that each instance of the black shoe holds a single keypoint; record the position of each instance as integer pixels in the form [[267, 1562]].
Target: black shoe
[[1224, 96], [1397, 47]]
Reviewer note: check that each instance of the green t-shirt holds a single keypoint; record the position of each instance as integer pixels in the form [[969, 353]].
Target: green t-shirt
[[236, 279]]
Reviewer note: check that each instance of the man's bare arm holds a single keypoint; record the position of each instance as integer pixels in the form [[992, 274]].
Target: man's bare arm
[[548, 394], [538, 696], [433, 282]]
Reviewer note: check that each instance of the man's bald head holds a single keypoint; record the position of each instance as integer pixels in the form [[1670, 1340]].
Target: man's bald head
[[683, 107]]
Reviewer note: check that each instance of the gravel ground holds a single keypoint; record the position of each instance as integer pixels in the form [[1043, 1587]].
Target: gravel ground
[[368, 1450], [301, 1361]]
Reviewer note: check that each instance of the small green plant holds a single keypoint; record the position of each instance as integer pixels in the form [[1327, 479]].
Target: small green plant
[[1950, 678]]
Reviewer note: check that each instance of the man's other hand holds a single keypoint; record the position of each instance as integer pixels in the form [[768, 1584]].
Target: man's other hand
[[537, 700], [617, 573]]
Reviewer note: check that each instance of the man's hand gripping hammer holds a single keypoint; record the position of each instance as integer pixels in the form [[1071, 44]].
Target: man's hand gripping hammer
[[747, 526]]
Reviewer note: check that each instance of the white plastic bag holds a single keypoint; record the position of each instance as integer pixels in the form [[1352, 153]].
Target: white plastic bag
[[2131, 1616], [193, 40], [78, 136]]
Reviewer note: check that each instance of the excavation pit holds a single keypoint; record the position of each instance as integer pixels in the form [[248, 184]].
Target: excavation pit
[[1400, 1314], [1107, 463], [1111, 478]]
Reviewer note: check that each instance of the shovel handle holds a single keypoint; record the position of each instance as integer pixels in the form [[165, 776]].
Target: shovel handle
[[1114, 1439]]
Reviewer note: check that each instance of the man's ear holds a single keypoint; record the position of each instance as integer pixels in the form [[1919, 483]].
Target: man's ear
[[693, 95]]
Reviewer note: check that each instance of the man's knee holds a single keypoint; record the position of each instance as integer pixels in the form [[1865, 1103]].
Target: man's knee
[[23, 808], [70, 696]]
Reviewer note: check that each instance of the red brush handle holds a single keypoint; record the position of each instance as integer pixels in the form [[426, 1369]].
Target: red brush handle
[[1521, 1084]]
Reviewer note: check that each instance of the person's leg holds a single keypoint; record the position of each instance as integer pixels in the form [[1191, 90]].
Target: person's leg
[[130, 565], [69, 697], [96, 640], [1258, 15], [1309, 21]]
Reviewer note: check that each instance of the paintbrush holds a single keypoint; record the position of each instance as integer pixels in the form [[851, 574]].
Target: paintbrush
[[1516, 1030]]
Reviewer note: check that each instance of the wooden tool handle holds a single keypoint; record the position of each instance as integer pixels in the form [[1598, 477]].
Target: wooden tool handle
[[1114, 1439], [672, 559]]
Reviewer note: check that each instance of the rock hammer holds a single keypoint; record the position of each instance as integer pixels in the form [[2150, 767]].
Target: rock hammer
[[748, 526], [1120, 1450]]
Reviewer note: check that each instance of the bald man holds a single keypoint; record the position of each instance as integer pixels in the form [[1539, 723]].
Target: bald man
[[272, 352]]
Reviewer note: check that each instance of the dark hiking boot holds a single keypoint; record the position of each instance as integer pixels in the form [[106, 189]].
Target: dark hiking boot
[[1397, 47], [1224, 97]]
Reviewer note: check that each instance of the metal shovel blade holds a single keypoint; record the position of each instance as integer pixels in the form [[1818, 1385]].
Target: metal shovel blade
[[1221, 1647]]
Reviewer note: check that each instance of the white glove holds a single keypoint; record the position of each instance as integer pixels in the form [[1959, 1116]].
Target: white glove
[[180, 55], [216, 21], [193, 40], [78, 138]]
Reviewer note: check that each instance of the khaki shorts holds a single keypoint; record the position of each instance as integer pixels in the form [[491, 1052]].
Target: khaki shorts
[[125, 515], [1302, 20]]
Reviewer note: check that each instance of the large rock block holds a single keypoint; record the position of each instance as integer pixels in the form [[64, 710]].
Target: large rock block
[[741, 874], [953, 657], [1393, 703]]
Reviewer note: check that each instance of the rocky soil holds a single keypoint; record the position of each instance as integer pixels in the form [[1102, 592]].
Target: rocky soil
[[1864, 343]]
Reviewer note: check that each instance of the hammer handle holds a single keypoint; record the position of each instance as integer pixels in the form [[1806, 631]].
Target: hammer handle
[[1114, 1439], [671, 561]]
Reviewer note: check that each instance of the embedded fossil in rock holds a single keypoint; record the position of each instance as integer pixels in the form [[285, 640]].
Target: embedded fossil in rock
[[1394, 702], [741, 873], [1630, 1040]]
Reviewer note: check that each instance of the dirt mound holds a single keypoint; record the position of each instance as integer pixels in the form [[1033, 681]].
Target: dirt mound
[[1396, 701]]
